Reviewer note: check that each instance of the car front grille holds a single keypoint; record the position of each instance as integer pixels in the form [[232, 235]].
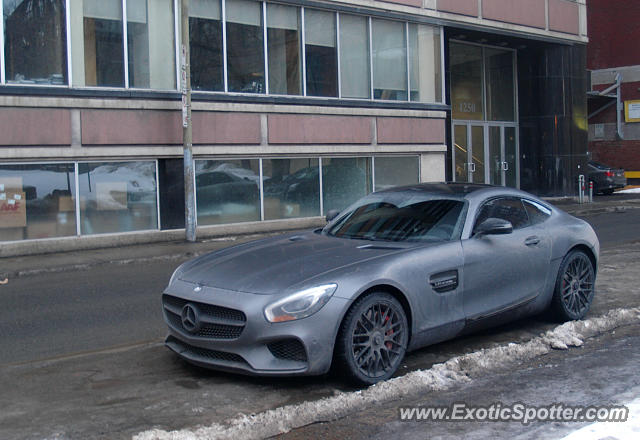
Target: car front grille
[[288, 349], [197, 353], [216, 322]]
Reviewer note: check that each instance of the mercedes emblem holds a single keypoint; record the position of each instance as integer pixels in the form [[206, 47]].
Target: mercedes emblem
[[190, 318]]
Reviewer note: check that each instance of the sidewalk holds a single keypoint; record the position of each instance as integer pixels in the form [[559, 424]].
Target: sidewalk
[[22, 266]]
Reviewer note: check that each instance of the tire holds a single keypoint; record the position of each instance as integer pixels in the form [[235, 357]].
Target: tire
[[372, 339], [575, 287], [607, 192]]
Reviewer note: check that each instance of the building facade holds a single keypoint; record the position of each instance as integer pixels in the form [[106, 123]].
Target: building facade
[[299, 107], [614, 60]]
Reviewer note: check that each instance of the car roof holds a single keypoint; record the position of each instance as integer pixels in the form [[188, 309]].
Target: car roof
[[467, 191]]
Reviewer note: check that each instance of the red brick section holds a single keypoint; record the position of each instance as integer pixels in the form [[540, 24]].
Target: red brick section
[[464, 7], [226, 128], [619, 154], [524, 12], [35, 127], [614, 33], [563, 16], [131, 127], [319, 129], [410, 131]]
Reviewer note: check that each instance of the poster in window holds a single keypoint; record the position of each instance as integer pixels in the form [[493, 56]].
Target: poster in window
[[13, 208], [111, 196]]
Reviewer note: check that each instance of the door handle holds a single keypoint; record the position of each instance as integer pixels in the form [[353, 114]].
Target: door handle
[[532, 241], [505, 166]]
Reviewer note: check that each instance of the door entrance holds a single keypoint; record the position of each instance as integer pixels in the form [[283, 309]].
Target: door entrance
[[485, 153]]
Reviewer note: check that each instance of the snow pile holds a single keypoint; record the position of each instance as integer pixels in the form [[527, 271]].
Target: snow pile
[[630, 191], [439, 377]]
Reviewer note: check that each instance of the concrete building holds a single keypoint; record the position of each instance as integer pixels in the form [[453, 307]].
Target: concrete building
[[613, 58], [299, 107]]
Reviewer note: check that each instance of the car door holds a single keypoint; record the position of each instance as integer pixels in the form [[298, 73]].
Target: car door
[[504, 271]]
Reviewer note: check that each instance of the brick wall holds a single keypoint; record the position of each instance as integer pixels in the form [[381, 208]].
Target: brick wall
[[620, 154], [613, 33]]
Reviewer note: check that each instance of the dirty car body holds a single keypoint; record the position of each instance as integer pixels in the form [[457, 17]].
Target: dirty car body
[[396, 271]]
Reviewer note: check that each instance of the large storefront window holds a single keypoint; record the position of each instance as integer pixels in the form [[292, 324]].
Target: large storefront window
[[344, 180], [396, 171], [97, 43], [227, 191], [35, 41], [117, 197], [354, 56], [37, 201], [426, 66], [205, 39], [245, 49], [321, 55], [291, 188], [467, 96], [389, 60], [283, 40]]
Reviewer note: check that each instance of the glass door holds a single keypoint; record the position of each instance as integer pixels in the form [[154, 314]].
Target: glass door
[[469, 153]]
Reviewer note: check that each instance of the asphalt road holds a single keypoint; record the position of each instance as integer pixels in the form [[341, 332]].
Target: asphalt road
[[51, 315]]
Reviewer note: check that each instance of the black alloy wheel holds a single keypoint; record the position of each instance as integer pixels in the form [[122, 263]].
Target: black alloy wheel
[[373, 339], [575, 287]]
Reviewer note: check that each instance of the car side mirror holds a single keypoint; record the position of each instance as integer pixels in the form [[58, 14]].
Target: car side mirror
[[493, 226], [332, 214]]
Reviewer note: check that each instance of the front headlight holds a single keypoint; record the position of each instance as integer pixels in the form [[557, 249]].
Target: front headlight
[[300, 304]]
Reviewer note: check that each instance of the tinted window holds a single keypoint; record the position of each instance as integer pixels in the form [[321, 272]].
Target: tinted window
[[417, 220], [537, 213], [506, 209]]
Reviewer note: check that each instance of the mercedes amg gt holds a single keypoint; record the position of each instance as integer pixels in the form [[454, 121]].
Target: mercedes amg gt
[[397, 270]]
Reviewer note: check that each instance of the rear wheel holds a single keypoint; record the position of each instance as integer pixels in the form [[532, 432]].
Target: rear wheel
[[607, 192], [575, 287], [372, 339]]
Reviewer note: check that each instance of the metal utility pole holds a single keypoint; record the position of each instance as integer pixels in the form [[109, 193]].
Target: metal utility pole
[[187, 135]]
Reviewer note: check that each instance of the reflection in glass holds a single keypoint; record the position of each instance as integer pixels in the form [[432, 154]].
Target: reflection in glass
[[321, 55], [460, 153], [424, 50], [477, 154], [245, 51], [500, 87], [495, 156], [227, 191], [396, 171], [354, 56], [205, 39], [103, 49], [35, 41], [510, 156], [37, 201], [117, 197], [150, 44], [291, 188], [283, 40], [344, 180], [465, 62], [389, 60]]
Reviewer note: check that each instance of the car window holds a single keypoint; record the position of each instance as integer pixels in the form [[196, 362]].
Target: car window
[[537, 213], [507, 209], [388, 220]]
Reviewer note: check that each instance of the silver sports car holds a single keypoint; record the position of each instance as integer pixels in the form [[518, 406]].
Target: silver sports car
[[397, 270]]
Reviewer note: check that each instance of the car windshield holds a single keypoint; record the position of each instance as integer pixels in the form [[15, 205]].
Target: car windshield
[[394, 217], [599, 166]]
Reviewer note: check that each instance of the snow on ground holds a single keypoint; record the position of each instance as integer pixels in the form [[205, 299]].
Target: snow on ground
[[439, 377], [629, 430], [629, 191]]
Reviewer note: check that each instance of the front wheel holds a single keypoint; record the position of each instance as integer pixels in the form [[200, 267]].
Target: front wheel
[[575, 287], [372, 339]]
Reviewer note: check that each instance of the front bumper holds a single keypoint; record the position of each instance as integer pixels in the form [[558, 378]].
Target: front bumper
[[242, 340]]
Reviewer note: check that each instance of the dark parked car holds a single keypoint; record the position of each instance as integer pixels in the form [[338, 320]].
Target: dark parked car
[[396, 271], [605, 179]]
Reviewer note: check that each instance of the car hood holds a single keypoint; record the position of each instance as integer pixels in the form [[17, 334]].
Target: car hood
[[276, 264]]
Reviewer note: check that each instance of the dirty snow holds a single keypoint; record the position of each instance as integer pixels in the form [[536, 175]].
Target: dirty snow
[[442, 376], [630, 191], [629, 430]]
